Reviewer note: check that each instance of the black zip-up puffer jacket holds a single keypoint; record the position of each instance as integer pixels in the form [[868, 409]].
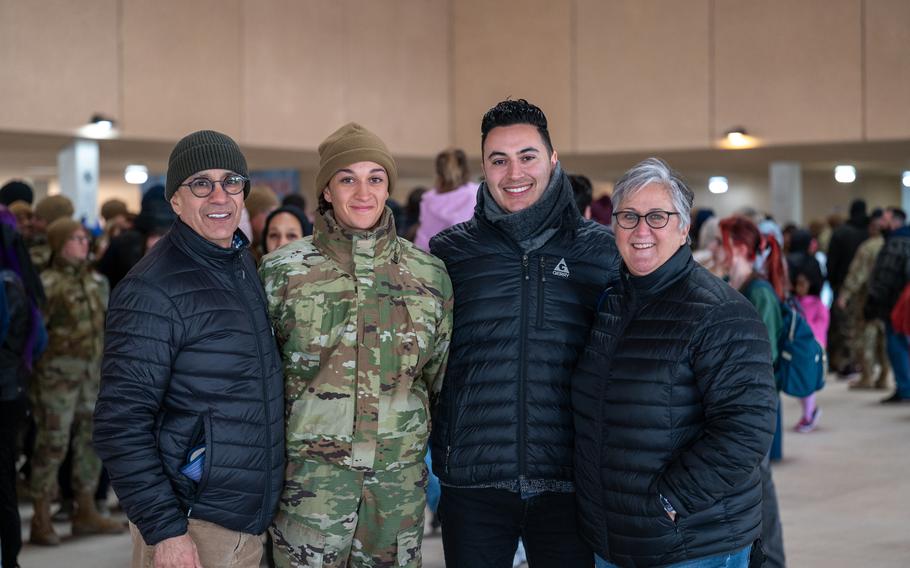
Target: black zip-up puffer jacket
[[520, 324], [190, 360], [889, 276], [673, 396]]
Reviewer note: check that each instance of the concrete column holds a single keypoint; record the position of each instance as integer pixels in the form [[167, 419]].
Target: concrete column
[[77, 168], [786, 192]]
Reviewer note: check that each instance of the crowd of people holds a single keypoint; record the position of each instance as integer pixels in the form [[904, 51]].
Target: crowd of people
[[599, 375]]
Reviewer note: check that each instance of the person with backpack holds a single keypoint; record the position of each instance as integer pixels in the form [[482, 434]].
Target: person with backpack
[[743, 244]]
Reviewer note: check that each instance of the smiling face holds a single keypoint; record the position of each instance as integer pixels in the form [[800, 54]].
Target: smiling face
[[214, 217], [358, 193], [644, 249], [283, 229], [517, 166]]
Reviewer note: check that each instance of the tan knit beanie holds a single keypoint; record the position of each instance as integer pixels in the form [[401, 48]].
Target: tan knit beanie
[[348, 145], [60, 231], [54, 207], [20, 208], [261, 200], [113, 207]]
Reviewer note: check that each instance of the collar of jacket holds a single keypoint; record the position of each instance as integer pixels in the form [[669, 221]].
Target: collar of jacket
[[204, 251], [351, 249], [667, 274], [67, 267]]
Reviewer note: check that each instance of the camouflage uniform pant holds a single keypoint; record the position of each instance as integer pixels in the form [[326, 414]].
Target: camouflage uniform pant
[[875, 352], [64, 391], [331, 517]]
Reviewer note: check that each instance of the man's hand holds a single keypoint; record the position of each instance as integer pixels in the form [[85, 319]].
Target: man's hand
[[177, 552]]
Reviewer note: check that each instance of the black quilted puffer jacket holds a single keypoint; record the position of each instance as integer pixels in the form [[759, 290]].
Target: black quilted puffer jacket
[[673, 396], [190, 360]]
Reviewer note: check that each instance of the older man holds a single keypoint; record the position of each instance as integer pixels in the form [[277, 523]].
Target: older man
[[190, 417], [527, 271]]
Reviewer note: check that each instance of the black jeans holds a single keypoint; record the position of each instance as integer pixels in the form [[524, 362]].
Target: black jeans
[[481, 527]]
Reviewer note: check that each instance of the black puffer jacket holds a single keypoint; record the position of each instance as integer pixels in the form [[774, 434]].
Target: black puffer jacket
[[520, 323], [889, 276], [673, 396], [190, 359]]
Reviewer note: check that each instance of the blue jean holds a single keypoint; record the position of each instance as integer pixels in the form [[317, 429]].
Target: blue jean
[[738, 559], [899, 356]]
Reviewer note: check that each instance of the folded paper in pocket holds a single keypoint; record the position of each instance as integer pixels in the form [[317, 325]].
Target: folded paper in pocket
[[194, 462]]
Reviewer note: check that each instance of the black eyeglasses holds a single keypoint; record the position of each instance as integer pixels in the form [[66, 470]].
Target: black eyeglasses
[[654, 219], [232, 184]]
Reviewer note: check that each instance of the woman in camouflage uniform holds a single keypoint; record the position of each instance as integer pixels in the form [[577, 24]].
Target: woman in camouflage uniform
[[66, 382], [363, 319]]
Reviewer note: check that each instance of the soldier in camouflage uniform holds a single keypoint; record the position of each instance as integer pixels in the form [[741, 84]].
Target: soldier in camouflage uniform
[[47, 211], [66, 382], [869, 339], [363, 319]]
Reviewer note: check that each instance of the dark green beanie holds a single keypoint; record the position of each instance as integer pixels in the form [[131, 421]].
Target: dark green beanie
[[200, 151], [348, 145]]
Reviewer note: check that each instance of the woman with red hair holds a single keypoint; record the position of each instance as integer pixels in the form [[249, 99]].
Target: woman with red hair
[[742, 246]]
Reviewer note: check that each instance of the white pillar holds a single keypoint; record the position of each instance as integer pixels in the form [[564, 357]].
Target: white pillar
[[786, 192], [77, 168]]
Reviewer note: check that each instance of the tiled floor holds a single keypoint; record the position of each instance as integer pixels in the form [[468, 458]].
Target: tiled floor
[[844, 493]]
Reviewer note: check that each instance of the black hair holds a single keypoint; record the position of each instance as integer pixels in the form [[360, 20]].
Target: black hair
[[583, 190], [306, 228], [899, 213], [509, 112], [295, 200]]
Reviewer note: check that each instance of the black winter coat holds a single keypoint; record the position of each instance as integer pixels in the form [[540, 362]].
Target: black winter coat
[[190, 359], [842, 248], [520, 323], [889, 276], [673, 396]]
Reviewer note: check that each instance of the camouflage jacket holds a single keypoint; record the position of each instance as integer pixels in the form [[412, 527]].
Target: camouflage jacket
[[76, 306], [857, 281], [363, 321]]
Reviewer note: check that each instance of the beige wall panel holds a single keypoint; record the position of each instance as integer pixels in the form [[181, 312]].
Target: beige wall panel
[[642, 84], [517, 49], [58, 63], [182, 67], [789, 70], [396, 74], [822, 195], [293, 72], [887, 69]]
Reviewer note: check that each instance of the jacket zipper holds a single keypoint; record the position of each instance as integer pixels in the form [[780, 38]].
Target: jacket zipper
[[265, 393], [541, 290], [523, 363]]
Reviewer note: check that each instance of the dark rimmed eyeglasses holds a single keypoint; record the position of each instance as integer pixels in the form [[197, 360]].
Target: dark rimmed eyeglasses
[[203, 187], [655, 219]]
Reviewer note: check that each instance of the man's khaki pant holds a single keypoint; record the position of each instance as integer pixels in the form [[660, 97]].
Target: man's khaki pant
[[218, 547]]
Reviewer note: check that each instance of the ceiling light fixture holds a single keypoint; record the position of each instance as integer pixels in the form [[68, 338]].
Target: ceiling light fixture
[[99, 127], [718, 184], [905, 178], [845, 173], [136, 174], [737, 138]]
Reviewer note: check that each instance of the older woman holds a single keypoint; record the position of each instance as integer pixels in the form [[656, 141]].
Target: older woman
[[674, 398], [364, 320]]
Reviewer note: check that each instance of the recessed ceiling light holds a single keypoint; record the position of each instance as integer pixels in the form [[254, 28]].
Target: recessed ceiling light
[[845, 173], [718, 184], [136, 174]]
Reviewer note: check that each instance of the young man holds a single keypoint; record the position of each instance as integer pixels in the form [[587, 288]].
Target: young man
[[527, 271], [190, 417]]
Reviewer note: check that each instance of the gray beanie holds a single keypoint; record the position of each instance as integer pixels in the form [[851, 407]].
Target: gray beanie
[[203, 150]]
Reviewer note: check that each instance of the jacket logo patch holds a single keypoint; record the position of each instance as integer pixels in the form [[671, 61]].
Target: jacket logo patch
[[562, 269]]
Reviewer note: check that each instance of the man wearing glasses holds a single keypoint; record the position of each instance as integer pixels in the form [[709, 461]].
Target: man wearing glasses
[[190, 417], [526, 271]]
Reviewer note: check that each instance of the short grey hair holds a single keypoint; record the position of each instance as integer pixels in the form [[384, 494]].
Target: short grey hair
[[655, 170]]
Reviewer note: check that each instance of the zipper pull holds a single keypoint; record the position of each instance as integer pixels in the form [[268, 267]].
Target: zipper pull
[[524, 266], [448, 451]]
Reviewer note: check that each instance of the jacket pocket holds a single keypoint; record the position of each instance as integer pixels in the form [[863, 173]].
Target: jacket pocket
[[301, 544], [177, 434], [210, 453]]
